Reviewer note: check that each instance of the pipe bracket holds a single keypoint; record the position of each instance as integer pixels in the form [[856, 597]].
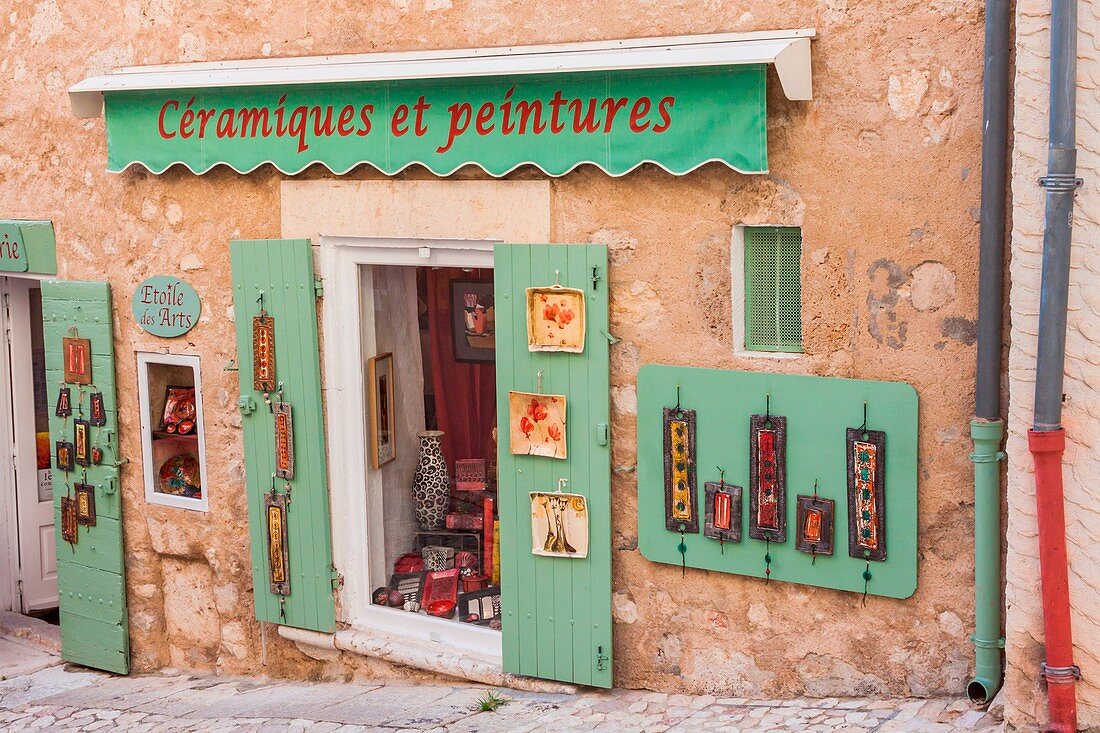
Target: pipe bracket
[[1059, 675], [988, 457], [1061, 182], [987, 643]]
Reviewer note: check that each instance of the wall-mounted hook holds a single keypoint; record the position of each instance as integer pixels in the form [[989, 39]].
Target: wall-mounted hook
[[538, 382]]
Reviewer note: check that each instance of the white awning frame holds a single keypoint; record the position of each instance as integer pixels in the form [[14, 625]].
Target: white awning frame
[[788, 50]]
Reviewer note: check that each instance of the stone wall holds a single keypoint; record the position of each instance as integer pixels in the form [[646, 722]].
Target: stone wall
[[880, 170], [1025, 698]]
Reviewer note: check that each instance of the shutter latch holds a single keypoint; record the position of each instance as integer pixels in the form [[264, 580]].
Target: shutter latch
[[246, 404], [595, 276], [318, 287], [601, 433], [601, 659], [335, 577]]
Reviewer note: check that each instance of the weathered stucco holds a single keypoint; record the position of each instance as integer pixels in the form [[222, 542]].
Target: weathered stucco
[[1025, 696], [880, 170]]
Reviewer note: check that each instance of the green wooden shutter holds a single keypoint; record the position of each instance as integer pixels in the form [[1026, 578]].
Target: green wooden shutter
[[282, 270], [773, 289], [556, 611], [90, 574]]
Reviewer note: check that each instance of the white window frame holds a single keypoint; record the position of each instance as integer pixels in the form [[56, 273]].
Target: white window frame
[[737, 294], [357, 519], [144, 360]]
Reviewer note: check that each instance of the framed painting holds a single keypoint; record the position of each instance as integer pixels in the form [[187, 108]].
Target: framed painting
[[536, 425], [559, 524], [78, 360], [473, 321], [383, 418], [555, 319]]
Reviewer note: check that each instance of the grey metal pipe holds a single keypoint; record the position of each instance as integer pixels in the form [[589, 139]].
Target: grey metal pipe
[[995, 91], [1060, 183], [987, 429]]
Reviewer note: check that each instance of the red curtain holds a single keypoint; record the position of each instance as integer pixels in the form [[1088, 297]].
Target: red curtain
[[465, 392]]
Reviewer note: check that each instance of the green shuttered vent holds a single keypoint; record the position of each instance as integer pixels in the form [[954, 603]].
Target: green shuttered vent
[[773, 289]]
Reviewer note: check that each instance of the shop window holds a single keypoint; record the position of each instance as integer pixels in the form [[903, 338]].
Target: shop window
[[173, 443], [773, 289]]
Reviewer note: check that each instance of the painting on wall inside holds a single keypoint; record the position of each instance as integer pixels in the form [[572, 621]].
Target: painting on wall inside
[[474, 321], [536, 424]]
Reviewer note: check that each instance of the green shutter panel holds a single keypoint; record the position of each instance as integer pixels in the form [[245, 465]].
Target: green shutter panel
[[282, 271], [773, 289], [556, 611], [90, 574]]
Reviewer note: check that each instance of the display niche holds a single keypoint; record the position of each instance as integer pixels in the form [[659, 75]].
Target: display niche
[[173, 443]]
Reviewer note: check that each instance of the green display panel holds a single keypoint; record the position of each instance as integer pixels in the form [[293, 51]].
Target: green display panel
[[818, 410], [556, 610], [282, 271], [91, 574]]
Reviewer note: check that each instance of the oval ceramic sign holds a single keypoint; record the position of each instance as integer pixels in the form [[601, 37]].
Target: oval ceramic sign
[[166, 306]]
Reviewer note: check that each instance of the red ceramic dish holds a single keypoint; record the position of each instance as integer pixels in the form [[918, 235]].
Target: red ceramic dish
[[441, 608]]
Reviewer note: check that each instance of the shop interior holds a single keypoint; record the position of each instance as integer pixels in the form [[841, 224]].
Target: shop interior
[[430, 383]]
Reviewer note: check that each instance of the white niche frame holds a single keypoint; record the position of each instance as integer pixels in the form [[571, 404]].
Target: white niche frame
[[144, 360]]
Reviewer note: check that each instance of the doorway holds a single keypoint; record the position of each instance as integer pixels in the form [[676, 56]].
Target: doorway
[[430, 380], [29, 575]]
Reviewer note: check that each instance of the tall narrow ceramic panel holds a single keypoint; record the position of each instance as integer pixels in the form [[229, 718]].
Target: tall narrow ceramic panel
[[282, 272], [90, 570], [556, 610]]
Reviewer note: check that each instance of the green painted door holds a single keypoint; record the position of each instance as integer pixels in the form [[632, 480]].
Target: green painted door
[[556, 611], [90, 572], [277, 277]]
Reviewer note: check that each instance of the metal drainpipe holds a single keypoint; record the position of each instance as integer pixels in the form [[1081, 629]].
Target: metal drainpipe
[[987, 427], [1047, 439]]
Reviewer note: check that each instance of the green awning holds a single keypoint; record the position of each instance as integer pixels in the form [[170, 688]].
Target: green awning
[[677, 103]]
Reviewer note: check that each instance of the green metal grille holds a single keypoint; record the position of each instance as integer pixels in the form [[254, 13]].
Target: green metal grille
[[773, 289]]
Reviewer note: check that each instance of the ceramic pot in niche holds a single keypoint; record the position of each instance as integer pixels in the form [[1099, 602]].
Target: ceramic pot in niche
[[431, 484]]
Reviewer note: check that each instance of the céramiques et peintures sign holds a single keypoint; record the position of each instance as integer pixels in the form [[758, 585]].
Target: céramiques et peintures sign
[[13, 255], [678, 119], [166, 306]]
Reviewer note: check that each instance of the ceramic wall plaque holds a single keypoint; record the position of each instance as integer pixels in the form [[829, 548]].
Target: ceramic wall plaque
[[555, 319], [278, 554], [82, 451], [536, 425], [77, 355], [559, 524], [85, 504], [681, 510], [263, 353], [284, 440], [815, 517], [866, 493], [722, 511], [64, 455], [64, 406], [97, 411], [768, 478], [68, 520]]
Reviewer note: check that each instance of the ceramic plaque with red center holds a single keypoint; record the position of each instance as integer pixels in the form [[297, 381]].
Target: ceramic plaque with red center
[[536, 425]]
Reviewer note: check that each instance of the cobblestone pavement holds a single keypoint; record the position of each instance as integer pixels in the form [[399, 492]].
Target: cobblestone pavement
[[69, 698]]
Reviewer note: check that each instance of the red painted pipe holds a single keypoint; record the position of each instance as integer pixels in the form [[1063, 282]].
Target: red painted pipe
[[1047, 448]]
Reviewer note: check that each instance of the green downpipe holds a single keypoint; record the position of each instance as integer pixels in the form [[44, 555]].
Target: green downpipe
[[987, 639]]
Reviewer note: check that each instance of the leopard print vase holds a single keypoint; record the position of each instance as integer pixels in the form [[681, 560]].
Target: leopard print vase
[[431, 484]]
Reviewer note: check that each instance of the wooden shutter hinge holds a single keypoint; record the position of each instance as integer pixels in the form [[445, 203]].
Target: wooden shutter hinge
[[336, 577], [318, 287]]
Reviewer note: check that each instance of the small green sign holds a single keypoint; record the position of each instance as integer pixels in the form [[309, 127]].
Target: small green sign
[[166, 306], [13, 254]]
